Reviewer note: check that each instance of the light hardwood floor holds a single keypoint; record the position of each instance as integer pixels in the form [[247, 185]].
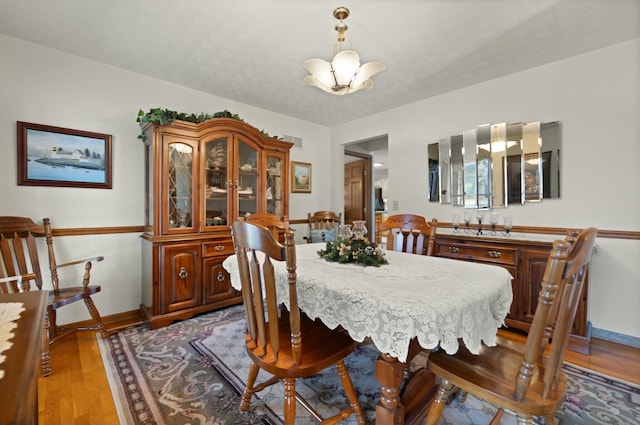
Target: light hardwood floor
[[77, 392]]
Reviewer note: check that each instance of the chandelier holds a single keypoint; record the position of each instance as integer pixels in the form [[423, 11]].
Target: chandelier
[[344, 74]]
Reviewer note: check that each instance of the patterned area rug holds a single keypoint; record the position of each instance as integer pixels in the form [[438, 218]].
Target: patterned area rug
[[193, 372]]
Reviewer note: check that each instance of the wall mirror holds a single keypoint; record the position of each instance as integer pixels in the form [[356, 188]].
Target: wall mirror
[[496, 165]]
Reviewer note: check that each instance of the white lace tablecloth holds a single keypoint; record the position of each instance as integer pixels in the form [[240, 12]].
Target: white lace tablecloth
[[9, 314], [435, 299]]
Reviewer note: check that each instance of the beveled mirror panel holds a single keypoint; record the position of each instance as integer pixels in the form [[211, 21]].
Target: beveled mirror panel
[[496, 165], [457, 171], [483, 154]]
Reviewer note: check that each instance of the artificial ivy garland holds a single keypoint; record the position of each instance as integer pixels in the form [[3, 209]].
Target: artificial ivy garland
[[165, 116], [357, 251]]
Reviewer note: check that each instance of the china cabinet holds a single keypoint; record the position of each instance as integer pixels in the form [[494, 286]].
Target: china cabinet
[[526, 260], [200, 178]]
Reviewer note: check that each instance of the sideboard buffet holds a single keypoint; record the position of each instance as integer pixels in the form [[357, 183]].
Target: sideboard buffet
[[199, 178], [526, 259]]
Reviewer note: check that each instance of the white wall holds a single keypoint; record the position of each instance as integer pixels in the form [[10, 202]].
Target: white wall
[[596, 98], [46, 86]]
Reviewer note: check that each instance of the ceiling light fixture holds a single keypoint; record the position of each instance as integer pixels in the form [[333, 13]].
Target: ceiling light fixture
[[344, 74]]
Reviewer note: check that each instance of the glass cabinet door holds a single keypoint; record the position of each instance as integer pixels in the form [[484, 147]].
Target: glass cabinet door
[[273, 194], [216, 181], [179, 184], [246, 183]]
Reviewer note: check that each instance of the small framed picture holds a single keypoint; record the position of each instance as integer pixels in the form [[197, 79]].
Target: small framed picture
[[55, 156], [300, 177]]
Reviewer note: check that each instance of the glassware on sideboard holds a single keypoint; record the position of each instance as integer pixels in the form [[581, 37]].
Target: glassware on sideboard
[[508, 225]]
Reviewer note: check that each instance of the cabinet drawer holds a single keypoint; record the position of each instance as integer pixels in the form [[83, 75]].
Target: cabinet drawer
[[478, 252], [217, 247]]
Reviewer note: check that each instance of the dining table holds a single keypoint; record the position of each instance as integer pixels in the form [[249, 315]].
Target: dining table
[[413, 301]]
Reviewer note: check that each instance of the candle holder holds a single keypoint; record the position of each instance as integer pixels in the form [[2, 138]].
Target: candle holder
[[359, 229], [344, 231]]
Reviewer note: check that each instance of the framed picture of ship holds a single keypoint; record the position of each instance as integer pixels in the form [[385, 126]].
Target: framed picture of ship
[[55, 156]]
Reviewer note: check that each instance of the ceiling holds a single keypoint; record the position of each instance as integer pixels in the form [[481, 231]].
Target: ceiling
[[251, 51]]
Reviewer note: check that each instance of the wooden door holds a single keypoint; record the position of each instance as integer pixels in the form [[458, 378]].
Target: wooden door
[[354, 199]]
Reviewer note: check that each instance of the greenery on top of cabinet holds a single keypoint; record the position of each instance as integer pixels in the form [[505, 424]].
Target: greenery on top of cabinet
[[165, 116]]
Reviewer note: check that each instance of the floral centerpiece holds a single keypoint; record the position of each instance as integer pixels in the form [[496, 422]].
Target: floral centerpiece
[[358, 251]]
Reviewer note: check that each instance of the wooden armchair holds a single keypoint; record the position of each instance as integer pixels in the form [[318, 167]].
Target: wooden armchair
[[409, 233], [19, 257], [526, 381], [286, 344], [323, 226]]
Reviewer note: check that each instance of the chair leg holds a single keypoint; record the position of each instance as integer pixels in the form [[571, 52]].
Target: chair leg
[[45, 356], [248, 391], [289, 401], [53, 327], [438, 403], [351, 392], [95, 315]]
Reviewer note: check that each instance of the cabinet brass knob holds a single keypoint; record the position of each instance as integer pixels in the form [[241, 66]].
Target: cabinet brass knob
[[220, 277], [453, 249], [494, 254], [183, 273], [219, 248]]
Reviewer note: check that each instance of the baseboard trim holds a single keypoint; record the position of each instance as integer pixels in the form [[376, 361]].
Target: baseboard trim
[[619, 338], [113, 322]]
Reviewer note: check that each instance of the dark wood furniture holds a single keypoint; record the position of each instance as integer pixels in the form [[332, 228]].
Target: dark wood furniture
[[270, 221], [19, 386], [408, 233], [526, 260], [526, 381], [285, 343], [19, 256], [200, 178], [323, 220]]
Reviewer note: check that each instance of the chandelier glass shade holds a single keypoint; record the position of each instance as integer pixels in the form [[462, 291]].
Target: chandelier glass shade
[[344, 74]]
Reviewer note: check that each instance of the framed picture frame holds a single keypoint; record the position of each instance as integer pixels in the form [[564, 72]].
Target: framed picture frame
[[300, 177], [62, 157]]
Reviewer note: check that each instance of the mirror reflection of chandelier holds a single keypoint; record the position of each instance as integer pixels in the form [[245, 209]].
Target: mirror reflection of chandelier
[[344, 74]]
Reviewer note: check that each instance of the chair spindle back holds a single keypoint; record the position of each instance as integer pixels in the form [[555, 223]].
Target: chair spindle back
[[19, 253], [558, 302], [256, 249], [409, 233]]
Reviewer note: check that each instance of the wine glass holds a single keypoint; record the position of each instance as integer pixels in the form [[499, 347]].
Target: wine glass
[[467, 219], [456, 223], [493, 220], [508, 225], [479, 217]]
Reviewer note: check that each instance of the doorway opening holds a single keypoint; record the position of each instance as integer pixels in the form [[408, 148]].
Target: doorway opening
[[365, 182]]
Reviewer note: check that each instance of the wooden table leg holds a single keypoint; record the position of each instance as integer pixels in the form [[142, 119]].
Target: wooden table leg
[[390, 374]]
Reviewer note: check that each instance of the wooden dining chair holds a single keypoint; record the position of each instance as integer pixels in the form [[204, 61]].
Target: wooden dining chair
[[526, 381], [323, 226], [284, 342], [409, 233], [19, 257], [271, 221]]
